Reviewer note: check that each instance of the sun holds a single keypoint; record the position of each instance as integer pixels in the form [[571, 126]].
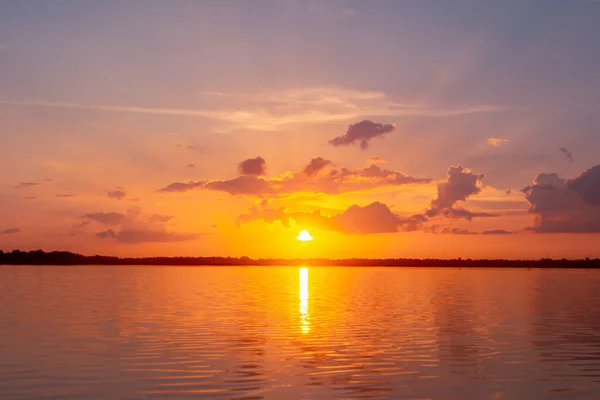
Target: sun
[[304, 236]]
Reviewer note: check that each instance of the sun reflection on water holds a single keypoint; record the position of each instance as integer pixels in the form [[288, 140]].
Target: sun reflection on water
[[304, 316]]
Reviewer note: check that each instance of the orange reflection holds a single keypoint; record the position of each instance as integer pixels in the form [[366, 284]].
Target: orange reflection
[[304, 316]]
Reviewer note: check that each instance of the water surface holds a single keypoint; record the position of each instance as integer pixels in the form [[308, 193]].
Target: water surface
[[96, 332]]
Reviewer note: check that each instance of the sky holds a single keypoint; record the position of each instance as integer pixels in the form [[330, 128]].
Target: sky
[[223, 128]]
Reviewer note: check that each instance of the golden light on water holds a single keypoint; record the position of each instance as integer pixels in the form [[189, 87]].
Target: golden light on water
[[304, 236], [304, 316]]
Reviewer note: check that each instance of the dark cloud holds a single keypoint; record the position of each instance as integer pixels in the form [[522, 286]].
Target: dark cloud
[[253, 166], [566, 153], [118, 194], [26, 184], [247, 185], [497, 232], [460, 185], [457, 213], [564, 206], [179, 187], [374, 218], [190, 166], [413, 223], [106, 234], [315, 165], [134, 229], [336, 181], [344, 180], [456, 231], [81, 225], [10, 231], [462, 231], [110, 218], [588, 186], [161, 218], [64, 195], [141, 235], [30, 197], [377, 160], [362, 132]]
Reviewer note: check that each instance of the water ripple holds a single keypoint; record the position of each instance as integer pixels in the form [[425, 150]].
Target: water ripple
[[308, 333]]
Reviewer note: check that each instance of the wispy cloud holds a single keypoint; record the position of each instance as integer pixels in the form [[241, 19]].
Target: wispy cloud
[[497, 142], [26, 184], [566, 153], [272, 110], [118, 194]]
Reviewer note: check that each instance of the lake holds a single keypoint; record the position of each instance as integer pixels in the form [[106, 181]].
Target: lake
[[95, 332]]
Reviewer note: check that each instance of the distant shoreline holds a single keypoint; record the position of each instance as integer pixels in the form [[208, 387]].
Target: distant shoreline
[[39, 257]]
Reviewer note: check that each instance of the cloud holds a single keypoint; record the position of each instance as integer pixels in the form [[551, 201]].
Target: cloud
[[161, 218], [246, 185], [81, 225], [342, 180], [106, 234], [315, 165], [252, 166], [307, 180], [10, 231], [26, 184], [117, 194], [141, 235], [362, 132], [377, 160], [566, 153], [30, 197], [564, 206], [497, 232], [460, 185], [454, 231], [457, 213], [373, 218], [190, 166], [461, 231], [132, 228], [587, 185], [496, 142], [182, 186], [272, 110], [64, 195], [110, 218], [376, 217]]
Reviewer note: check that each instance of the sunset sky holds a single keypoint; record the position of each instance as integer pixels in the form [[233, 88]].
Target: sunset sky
[[384, 128]]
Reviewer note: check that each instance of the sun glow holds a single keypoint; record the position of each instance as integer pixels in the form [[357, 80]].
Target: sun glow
[[304, 236]]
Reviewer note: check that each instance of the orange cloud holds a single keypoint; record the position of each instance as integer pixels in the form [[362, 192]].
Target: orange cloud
[[340, 180], [496, 142]]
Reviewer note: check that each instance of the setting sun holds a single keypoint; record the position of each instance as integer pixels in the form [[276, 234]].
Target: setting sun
[[304, 236]]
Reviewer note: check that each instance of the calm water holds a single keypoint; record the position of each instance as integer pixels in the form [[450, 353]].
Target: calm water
[[298, 333]]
